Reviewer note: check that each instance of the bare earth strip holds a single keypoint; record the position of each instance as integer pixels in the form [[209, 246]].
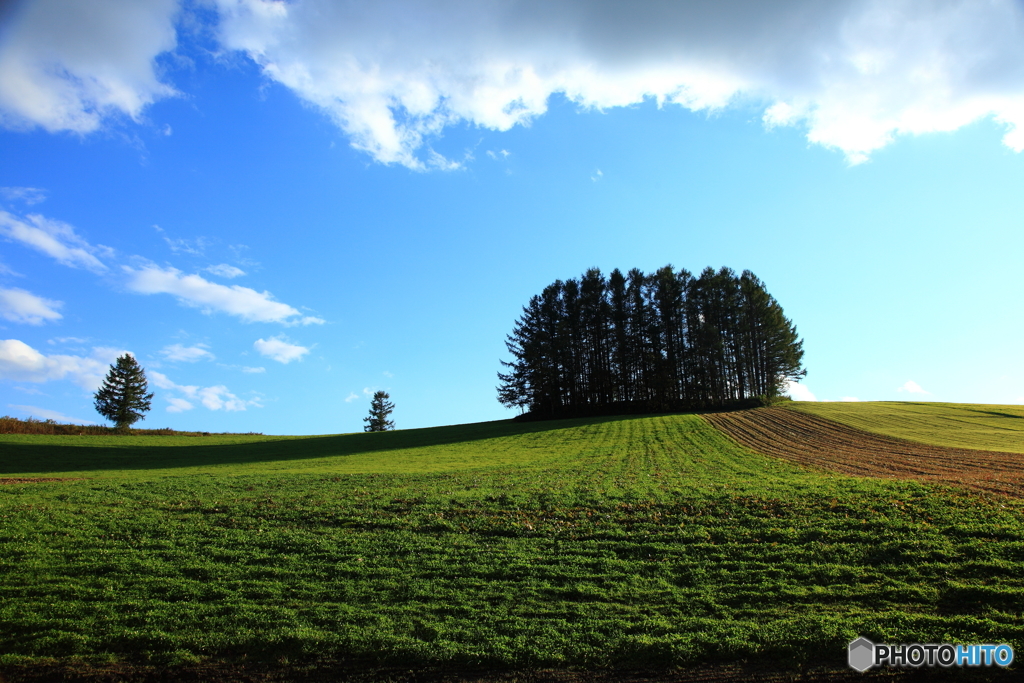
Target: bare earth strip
[[817, 442]]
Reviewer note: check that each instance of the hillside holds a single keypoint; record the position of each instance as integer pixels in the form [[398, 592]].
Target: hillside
[[805, 439], [954, 425], [610, 544]]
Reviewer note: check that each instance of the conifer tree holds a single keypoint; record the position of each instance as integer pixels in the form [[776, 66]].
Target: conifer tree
[[122, 397], [380, 408]]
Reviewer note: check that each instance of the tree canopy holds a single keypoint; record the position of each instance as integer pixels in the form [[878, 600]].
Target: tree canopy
[[657, 342], [122, 397]]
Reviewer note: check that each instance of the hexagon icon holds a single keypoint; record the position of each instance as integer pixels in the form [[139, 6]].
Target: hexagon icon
[[862, 654]]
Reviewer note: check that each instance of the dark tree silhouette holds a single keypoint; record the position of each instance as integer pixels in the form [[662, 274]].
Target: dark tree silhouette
[[646, 343], [380, 408], [122, 397]]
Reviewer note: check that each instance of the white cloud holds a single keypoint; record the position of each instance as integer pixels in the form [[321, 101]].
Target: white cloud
[[279, 349], [226, 271], [353, 396], [912, 387], [253, 371], [798, 392], [850, 399], [194, 290], [856, 73], [219, 398], [162, 381], [28, 195], [20, 306], [46, 414], [67, 66], [213, 398], [394, 73], [53, 238], [21, 362], [178, 405], [187, 354]]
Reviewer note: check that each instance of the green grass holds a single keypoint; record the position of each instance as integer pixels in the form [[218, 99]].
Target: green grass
[[641, 541], [956, 425]]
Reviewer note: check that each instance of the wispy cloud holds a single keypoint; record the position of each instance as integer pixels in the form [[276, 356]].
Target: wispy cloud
[[353, 396], [20, 306], [187, 354], [55, 239], [67, 340], [912, 387], [226, 271], [280, 349], [194, 247], [253, 371], [212, 398], [47, 414], [21, 362], [196, 291], [26, 195]]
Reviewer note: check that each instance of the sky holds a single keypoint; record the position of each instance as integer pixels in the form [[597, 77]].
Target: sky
[[281, 207]]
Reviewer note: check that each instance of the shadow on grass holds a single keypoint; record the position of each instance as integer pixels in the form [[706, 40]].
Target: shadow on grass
[[77, 455]]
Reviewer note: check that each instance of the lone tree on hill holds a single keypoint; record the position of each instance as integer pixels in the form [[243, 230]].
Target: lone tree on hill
[[380, 408], [122, 397]]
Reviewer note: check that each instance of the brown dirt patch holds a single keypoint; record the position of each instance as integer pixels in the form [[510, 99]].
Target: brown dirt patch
[[817, 442], [34, 480]]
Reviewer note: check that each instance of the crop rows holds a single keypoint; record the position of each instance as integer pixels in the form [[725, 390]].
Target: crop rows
[[953, 425], [812, 441]]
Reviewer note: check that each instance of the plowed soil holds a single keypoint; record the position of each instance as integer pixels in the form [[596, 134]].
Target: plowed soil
[[817, 442]]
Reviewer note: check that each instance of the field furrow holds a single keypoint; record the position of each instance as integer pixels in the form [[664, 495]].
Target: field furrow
[[813, 441]]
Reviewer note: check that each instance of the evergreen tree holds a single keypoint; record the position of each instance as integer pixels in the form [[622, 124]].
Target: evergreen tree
[[122, 397], [380, 408]]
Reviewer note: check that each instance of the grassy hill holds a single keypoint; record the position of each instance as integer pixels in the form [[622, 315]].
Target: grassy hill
[[608, 542], [954, 425]]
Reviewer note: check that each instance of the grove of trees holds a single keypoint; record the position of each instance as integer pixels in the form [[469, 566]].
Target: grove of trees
[[660, 342]]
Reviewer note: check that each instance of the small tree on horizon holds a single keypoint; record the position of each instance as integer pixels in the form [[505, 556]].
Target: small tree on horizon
[[122, 397], [380, 408]]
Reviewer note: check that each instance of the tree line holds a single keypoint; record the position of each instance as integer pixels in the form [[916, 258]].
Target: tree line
[[660, 342]]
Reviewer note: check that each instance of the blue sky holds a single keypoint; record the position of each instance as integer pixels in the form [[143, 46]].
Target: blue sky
[[281, 207]]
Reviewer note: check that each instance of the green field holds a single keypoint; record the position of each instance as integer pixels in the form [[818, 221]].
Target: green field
[[954, 425], [623, 542]]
